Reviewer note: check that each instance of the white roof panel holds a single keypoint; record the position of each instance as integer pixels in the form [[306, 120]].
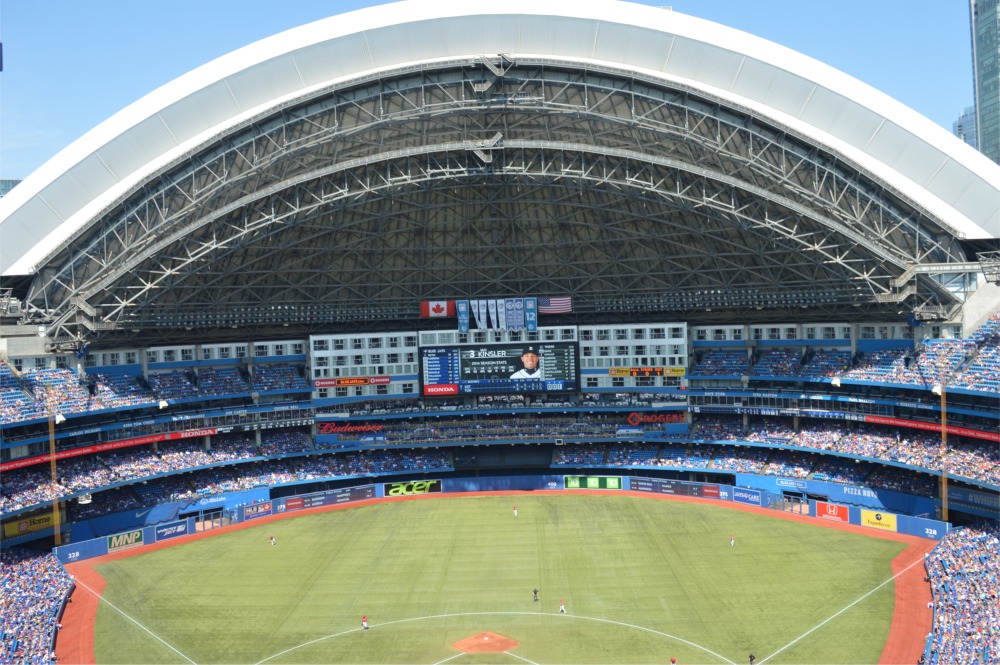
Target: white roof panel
[[809, 97]]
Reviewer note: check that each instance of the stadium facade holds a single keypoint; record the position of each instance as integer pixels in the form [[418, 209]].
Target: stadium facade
[[748, 269], [679, 183], [321, 258]]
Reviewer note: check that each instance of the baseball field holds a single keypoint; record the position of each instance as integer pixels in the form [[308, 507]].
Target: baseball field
[[451, 580]]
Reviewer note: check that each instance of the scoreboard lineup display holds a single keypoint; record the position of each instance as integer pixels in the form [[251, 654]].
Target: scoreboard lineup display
[[490, 369]]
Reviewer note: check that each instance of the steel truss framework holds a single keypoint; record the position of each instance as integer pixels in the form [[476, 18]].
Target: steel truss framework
[[493, 179]]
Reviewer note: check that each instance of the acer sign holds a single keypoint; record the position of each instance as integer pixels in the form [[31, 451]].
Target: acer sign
[[348, 428], [412, 487]]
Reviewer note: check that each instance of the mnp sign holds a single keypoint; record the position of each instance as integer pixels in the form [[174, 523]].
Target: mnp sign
[[878, 520], [125, 541]]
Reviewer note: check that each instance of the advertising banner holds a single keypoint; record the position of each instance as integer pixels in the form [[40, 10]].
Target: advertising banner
[[878, 520], [125, 541], [932, 427], [171, 530], [412, 487], [27, 525], [296, 503], [832, 512], [102, 447], [741, 495], [256, 510]]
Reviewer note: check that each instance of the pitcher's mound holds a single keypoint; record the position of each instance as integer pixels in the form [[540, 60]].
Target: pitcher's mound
[[485, 642]]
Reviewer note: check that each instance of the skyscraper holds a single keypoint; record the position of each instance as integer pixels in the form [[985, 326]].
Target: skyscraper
[[986, 75], [965, 127]]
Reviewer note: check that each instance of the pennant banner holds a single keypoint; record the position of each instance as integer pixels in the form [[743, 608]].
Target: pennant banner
[[530, 315]]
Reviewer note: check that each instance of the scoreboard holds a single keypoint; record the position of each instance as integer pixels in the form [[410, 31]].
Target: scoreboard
[[490, 369], [593, 482]]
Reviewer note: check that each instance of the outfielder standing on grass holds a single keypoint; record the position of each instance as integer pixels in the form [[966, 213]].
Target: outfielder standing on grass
[[364, 622], [562, 606]]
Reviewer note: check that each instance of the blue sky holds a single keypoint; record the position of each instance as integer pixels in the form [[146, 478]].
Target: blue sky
[[69, 65]]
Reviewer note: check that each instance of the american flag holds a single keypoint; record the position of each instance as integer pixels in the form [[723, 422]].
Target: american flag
[[559, 305]]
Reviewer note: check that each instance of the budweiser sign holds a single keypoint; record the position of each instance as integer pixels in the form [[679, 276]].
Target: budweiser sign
[[348, 428]]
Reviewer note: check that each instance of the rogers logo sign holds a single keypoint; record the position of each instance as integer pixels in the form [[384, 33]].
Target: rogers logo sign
[[635, 419], [345, 428]]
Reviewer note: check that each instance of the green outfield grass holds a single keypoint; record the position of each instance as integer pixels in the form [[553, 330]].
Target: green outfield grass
[[644, 580]]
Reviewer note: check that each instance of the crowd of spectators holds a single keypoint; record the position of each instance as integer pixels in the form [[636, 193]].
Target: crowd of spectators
[[777, 362], [285, 442], [964, 572], [964, 457], [722, 362], [220, 381], [119, 391], [275, 377], [33, 588], [35, 393], [825, 363]]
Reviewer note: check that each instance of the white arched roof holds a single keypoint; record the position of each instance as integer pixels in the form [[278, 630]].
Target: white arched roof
[[906, 151]]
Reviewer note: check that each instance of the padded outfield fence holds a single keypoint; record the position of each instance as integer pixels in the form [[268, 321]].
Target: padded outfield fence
[[233, 511]]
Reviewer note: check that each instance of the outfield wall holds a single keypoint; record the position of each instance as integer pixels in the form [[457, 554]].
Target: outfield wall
[[240, 512]]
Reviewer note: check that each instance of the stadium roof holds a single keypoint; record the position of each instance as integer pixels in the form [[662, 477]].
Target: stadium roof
[[646, 162]]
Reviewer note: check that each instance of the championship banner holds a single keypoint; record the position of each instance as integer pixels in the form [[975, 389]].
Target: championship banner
[[479, 311], [833, 512], [878, 520], [492, 306], [462, 309], [501, 315]]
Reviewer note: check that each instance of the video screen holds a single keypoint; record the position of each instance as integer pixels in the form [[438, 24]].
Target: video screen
[[530, 367]]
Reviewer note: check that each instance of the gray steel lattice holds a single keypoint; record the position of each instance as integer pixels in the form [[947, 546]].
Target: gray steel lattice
[[634, 198]]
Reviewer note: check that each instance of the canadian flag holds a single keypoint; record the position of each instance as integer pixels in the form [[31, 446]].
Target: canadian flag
[[431, 308]]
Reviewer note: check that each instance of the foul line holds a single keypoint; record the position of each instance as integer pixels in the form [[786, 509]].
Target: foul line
[[107, 602], [469, 614], [831, 618], [520, 658]]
